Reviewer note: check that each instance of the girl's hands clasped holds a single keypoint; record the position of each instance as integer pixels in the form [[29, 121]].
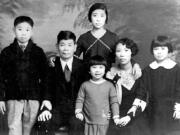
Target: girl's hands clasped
[[80, 116]]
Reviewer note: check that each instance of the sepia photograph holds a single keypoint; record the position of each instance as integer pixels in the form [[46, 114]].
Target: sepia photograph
[[90, 67]]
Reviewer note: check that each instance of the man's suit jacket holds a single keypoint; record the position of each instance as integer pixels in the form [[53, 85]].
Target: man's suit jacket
[[63, 94]]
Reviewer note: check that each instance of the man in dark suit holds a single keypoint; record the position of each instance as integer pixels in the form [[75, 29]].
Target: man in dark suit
[[63, 82]]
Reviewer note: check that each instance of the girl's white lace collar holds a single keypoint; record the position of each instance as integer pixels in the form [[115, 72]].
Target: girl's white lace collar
[[167, 64]]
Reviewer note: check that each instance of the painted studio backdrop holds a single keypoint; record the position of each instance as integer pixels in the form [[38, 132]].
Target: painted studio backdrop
[[140, 20]]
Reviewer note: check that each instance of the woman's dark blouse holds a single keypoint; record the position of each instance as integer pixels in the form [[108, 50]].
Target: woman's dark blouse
[[128, 97]]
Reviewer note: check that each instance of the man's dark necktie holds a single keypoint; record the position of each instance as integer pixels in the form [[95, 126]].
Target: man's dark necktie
[[22, 47], [67, 73]]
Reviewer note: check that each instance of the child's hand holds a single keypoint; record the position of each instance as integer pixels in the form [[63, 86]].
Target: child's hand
[[176, 114], [2, 107], [45, 115], [116, 121], [80, 116], [132, 110], [124, 121]]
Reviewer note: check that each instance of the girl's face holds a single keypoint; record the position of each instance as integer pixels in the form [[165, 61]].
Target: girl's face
[[97, 72], [98, 18], [123, 54], [160, 53]]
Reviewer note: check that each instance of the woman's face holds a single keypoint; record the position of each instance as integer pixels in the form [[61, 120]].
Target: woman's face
[[123, 54]]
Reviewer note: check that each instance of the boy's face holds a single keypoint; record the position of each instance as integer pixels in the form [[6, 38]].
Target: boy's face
[[23, 32], [97, 72], [66, 49], [160, 53], [123, 54], [98, 18]]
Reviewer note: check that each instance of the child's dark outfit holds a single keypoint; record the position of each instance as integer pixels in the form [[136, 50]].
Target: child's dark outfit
[[21, 84], [95, 100], [90, 45], [163, 85]]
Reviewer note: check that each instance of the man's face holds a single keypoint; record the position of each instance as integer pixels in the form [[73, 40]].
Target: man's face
[[66, 49]]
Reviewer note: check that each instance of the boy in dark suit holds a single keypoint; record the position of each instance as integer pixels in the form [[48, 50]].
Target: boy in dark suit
[[23, 70], [63, 82]]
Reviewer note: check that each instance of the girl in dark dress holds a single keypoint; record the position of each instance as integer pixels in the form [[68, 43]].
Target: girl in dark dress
[[126, 85], [161, 79], [99, 40]]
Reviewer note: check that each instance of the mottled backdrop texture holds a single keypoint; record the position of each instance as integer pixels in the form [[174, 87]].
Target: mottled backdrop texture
[[140, 20]]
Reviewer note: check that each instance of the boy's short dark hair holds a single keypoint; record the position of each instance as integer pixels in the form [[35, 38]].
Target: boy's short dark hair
[[65, 35], [21, 19], [97, 6], [97, 60], [130, 44], [161, 41]]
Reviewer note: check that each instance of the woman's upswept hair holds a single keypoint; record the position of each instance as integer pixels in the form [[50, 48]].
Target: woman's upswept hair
[[130, 44]]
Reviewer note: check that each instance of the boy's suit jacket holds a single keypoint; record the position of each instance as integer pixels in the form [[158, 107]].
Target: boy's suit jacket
[[63, 94], [22, 75]]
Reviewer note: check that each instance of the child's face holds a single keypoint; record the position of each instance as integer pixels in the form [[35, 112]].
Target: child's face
[[97, 72], [123, 54], [98, 18], [66, 49], [23, 32], [160, 53]]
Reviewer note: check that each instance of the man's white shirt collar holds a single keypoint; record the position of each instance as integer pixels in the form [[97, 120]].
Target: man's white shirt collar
[[69, 63], [23, 44], [167, 64]]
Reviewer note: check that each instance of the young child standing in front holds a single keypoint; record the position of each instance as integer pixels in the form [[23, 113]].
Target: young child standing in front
[[161, 79], [23, 71], [95, 98]]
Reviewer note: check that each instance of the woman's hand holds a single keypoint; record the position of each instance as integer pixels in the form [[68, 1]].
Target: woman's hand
[[132, 110], [52, 61], [136, 71]]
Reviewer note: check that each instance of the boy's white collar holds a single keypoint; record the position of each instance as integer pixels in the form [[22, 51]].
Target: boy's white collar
[[167, 64]]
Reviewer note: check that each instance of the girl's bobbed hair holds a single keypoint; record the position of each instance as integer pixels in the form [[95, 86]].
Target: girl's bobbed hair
[[97, 60], [161, 41], [130, 44], [95, 7]]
